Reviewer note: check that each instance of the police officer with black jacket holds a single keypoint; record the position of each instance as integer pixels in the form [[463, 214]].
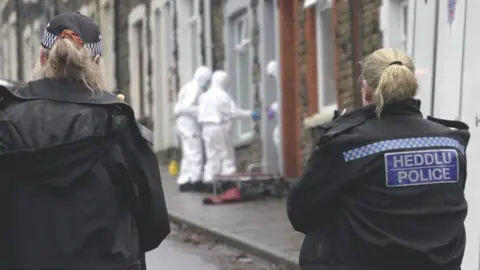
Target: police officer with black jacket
[[80, 187], [384, 188]]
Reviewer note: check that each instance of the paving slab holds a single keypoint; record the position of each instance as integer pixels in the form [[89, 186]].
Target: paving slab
[[261, 226]]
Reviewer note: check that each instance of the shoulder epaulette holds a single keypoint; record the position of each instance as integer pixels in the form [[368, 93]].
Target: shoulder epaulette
[[146, 133], [339, 126], [449, 123]]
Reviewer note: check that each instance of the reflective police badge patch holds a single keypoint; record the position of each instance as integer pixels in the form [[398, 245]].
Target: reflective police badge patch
[[421, 167]]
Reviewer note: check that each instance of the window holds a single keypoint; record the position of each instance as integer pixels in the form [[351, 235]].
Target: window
[[140, 96], [326, 59], [108, 53], [243, 70]]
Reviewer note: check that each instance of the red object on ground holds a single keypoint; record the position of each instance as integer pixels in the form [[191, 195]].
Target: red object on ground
[[230, 196]]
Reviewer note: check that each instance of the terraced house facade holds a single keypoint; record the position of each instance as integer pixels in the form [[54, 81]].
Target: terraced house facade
[[152, 47]]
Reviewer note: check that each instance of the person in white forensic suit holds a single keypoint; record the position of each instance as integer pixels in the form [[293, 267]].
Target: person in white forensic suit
[[274, 108], [188, 128], [216, 111]]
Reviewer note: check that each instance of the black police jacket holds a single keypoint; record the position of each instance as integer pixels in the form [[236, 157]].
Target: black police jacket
[[384, 193], [80, 187]]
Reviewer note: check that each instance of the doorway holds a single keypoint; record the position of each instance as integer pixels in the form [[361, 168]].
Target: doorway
[[270, 86]]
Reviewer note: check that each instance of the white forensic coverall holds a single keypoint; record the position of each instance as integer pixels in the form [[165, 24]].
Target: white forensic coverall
[[186, 112], [216, 110], [272, 70]]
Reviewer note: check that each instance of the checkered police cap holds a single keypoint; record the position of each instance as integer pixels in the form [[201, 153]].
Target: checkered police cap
[[85, 31]]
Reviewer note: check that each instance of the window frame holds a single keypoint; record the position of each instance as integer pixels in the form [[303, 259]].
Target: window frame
[[28, 58], [392, 22], [323, 6], [194, 28], [12, 46], [136, 15], [107, 28], [241, 135]]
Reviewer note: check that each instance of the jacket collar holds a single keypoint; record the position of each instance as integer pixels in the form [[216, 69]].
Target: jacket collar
[[409, 106], [66, 90]]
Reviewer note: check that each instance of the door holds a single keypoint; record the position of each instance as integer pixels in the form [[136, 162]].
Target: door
[[449, 60], [270, 87], [470, 109], [421, 40], [164, 99]]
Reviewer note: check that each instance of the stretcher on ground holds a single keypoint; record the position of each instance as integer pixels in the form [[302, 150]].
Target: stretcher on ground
[[252, 183]]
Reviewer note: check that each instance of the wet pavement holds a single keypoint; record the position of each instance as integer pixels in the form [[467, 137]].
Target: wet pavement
[[173, 255], [263, 222], [186, 250]]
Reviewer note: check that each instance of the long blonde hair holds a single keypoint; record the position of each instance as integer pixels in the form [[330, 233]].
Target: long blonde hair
[[68, 60], [390, 73]]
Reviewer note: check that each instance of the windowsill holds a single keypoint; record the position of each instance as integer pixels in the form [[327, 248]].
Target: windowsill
[[244, 139], [325, 115]]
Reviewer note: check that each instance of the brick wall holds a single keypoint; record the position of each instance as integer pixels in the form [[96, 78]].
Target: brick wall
[[370, 18], [343, 43]]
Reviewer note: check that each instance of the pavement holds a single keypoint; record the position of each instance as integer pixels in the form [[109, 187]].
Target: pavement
[[185, 249], [173, 255], [258, 227]]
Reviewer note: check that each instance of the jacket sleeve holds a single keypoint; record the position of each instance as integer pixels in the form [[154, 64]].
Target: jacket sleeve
[[312, 201], [234, 112], [152, 216]]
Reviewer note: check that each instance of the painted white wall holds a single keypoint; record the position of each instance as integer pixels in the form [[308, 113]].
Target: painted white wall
[[448, 69], [422, 48], [455, 88], [470, 109]]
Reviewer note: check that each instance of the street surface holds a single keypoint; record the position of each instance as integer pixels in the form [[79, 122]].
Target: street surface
[[173, 255], [186, 250]]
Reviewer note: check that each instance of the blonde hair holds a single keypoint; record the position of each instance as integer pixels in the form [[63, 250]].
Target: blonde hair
[[68, 60], [390, 73]]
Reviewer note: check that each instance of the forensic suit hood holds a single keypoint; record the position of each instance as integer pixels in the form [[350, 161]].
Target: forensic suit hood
[[75, 168]]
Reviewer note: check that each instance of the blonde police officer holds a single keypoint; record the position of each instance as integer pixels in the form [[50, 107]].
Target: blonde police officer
[[384, 188]]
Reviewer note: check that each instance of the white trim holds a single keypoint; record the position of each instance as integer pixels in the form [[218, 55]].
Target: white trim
[[28, 58], [164, 94], [107, 29], [5, 61], [309, 3], [37, 33], [244, 44], [321, 65], [207, 22], [13, 45], [138, 14]]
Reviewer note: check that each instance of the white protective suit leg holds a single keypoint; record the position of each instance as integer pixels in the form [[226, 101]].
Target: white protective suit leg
[[229, 165], [192, 157], [213, 138]]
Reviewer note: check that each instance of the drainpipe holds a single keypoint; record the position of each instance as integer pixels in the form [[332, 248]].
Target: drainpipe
[[116, 43], [355, 40]]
